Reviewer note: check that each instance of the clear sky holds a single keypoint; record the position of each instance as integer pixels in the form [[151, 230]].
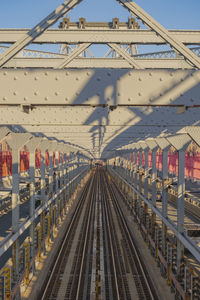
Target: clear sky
[[171, 13]]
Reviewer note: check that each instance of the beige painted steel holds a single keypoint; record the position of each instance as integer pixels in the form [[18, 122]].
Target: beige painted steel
[[131, 60], [65, 62], [101, 35], [161, 31], [99, 87], [82, 63], [32, 34], [99, 117]]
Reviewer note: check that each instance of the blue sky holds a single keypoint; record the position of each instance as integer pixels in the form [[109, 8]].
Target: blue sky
[[173, 14]]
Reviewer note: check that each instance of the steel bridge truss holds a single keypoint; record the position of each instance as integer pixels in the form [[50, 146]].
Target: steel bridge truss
[[102, 104]]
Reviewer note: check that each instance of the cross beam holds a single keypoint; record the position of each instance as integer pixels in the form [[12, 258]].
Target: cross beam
[[101, 34], [31, 35], [163, 33]]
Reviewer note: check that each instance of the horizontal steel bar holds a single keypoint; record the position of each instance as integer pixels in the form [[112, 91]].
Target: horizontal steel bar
[[81, 63], [121, 36], [99, 86]]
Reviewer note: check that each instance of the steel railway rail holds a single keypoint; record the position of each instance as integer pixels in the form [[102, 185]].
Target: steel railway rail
[[119, 285], [52, 284], [120, 275], [143, 284]]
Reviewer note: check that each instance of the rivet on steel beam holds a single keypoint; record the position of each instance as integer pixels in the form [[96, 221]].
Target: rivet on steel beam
[[161, 79], [98, 79], [139, 94], [129, 73], [36, 78], [150, 74], [171, 74], [15, 78], [4, 98], [66, 98], [140, 79], [56, 93], [36, 93], [56, 78], [67, 73], [88, 73], [77, 78], [25, 73], [14, 93], [4, 73], [77, 93], [118, 94], [129, 99], [25, 98], [46, 73], [108, 73], [46, 98]]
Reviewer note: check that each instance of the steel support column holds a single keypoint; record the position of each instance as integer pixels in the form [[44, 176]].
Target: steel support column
[[180, 202], [15, 210], [164, 197]]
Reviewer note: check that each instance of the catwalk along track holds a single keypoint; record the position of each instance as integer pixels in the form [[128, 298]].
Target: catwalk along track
[[98, 258]]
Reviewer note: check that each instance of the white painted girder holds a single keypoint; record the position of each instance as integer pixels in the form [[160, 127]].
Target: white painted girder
[[82, 63], [100, 35], [136, 10], [91, 116], [100, 86], [36, 31], [81, 125]]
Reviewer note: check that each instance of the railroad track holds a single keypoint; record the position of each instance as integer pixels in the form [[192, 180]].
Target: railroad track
[[131, 269], [98, 258], [52, 285]]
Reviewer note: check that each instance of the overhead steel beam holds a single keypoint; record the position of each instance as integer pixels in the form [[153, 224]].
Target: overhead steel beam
[[100, 35], [31, 35], [99, 87], [161, 31], [72, 55], [79, 116], [113, 63], [125, 55]]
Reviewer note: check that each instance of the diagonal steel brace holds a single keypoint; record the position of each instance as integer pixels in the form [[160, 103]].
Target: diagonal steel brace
[[30, 36], [161, 31]]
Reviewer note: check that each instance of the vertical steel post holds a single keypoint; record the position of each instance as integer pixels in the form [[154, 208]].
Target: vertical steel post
[[146, 187], [146, 153], [42, 191], [154, 176], [15, 209], [154, 189], [180, 202], [32, 201], [164, 196], [51, 186], [50, 173]]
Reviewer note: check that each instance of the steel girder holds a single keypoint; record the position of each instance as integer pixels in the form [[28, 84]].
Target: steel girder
[[110, 63], [161, 31], [100, 35], [104, 87], [31, 35]]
